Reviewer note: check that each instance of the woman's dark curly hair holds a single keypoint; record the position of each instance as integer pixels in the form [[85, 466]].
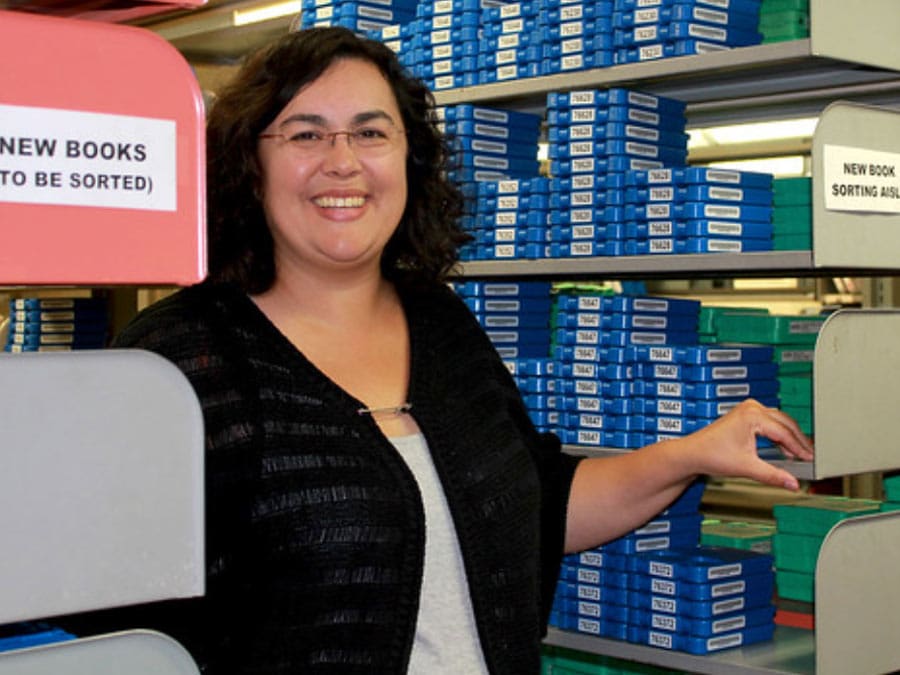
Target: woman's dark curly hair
[[424, 247]]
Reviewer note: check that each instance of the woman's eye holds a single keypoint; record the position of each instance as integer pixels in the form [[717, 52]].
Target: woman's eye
[[306, 137], [370, 133]]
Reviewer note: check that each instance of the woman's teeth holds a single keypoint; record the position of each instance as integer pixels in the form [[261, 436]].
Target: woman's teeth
[[340, 202]]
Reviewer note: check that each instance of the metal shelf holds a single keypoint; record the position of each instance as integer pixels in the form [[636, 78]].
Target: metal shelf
[[744, 264], [849, 53], [792, 651]]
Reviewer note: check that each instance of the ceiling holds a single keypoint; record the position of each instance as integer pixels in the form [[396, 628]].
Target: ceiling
[[208, 34]]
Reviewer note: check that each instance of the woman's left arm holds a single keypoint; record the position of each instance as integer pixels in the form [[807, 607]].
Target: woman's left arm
[[611, 496]]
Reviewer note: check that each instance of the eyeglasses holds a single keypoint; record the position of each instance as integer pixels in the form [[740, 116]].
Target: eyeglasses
[[370, 141]]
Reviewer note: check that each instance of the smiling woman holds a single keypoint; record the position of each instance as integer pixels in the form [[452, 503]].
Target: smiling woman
[[378, 499]]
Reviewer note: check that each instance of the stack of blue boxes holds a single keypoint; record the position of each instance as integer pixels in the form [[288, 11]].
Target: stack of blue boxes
[[576, 35], [594, 592], [509, 48], [656, 586], [681, 389], [441, 43], [56, 324], [594, 342], [364, 18], [595, 138], [496, 146], [460, 43], [697, 210], [490, 143], [509, 220], [703, 600], [536, 380], [617, 371], [515, 315], [664, 28]]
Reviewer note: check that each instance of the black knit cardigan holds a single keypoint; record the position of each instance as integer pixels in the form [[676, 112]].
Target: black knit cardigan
[[315, 526]]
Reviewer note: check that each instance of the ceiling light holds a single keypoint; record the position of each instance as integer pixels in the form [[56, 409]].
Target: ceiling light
[[733, 134], [275, 10], [793, 165]]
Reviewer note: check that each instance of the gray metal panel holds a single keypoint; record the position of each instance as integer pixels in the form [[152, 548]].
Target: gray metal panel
[[844, 238], [101, 482], [864, 31], [858, 597], [857, 392], [127, 653]]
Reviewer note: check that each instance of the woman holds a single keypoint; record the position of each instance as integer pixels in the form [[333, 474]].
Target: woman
[[377, 499]]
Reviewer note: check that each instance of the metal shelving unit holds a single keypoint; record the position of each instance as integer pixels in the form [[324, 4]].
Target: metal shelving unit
[[851, 53], [101, 473]]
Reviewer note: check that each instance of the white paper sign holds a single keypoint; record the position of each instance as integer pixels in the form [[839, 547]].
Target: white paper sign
[[857, 179], [74, 158]]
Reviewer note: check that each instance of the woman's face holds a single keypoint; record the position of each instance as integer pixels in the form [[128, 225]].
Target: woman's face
[[333, 202]]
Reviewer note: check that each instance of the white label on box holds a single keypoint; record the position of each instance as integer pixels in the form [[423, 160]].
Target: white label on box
[[663, 604], [589, 592], [723, 355], [588, 576], [583, 231], [720, 571], [724, 642], [730, 372], [584, 115], [572, 62], [513, 9], [666, 372], [643, 116], [726, 194], [733, 390], [857, 179], [730, 588], [571, 29], [589, 626], [725, 227], [663, 640], [733, 623], [646, 16], [664, 622], [661, 586], [591, 558], [661, 354], [75, 158], [668, 389], [641, 321]]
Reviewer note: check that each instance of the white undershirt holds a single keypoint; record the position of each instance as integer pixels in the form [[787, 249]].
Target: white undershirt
[[446, 640]]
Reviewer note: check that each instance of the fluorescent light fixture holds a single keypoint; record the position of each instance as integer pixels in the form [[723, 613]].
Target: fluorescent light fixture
[[274, 10], [734, 134], [783, 167]]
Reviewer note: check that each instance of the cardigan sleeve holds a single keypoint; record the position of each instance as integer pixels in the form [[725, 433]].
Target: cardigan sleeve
[[555, 469]]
